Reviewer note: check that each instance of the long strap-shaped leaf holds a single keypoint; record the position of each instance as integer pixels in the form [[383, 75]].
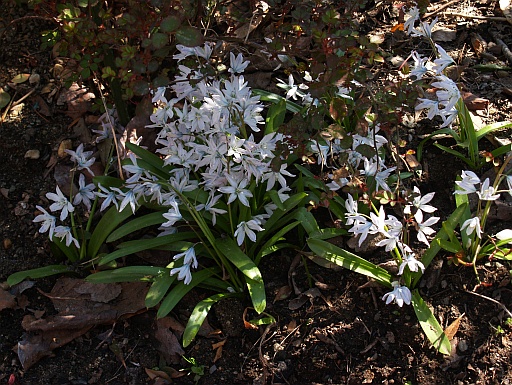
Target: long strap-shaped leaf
[[180, 290], [110, 220], [159, 288], [198, 316], [125, 274], [349, 261], [237, 257], [136, 224], [429, 324], [40, 272], [131, 247]]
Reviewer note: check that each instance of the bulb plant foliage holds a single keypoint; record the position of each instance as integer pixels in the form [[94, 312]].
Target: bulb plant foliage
[[218, 190]]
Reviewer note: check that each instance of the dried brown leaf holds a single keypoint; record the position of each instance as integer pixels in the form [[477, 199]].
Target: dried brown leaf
[[7, 300], [283, 293], [473, 102], [168, 343], [452, 329]]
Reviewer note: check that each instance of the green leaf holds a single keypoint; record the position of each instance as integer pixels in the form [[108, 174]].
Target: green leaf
[[429, 324], [275, 116], [180, 290], [110, 220], [40, 272], [159, 40], [170, 23], [443, 131], [5, 98], [125, 274], [159, 288], [450, 246], [257, 293], [107, 181], [274, 239], [132, 247], [307, 220], [458, 154], [492, 127], [146, 155], [349, 261], [366, 150], [198, 316], [137, 224], [189, 36], [237, 257], [328, 233]]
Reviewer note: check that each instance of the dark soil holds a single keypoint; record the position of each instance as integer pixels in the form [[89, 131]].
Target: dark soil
[[344, 334]]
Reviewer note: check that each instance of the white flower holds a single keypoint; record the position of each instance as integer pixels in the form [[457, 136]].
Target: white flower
[[110, 197], [467, 184], [246, 229], [48, 222], [424, 227], [419, 69], [61, 203], [411, 16], [172, 215], [505, 235], [486, 192], [432, 107], [129, 197], [352, 215], [420, 202], [133, 169], [448, 93], [189, 260], [209, 206], [65, 232], [471, 226], [81, 158], [237, 64], [412, 263], [425, 29], [292, 89], [400, 295], [236, 189], [85, 193], [443, 61]]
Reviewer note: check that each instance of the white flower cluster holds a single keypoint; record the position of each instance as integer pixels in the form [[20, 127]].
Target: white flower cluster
[[204, 137], [85, 195], [486, 192], [447, 93]]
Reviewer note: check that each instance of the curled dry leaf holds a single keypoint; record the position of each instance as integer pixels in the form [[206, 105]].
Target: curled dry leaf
[[168, 343], [473, 102]]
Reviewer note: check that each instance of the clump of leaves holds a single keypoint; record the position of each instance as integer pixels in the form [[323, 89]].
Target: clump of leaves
[[124, 43]]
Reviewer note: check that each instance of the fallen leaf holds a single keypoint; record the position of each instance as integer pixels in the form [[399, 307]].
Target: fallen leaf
[[218, 354], [308, 295], [7, 300], [473, 102], [21, 78], [283, 293], [78, 312], [155, 374], [41, 106], [452, 329], [168, 343], [5, 98], [247, 324]]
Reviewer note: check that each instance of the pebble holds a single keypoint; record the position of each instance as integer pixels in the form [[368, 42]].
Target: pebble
[[462, 345], [7, 243], [32, 154], [34, 79]]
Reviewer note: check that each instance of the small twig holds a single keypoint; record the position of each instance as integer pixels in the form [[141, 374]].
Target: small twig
[[504, 48], [492, 300], [466, 16], [23, 97], [444, 6]]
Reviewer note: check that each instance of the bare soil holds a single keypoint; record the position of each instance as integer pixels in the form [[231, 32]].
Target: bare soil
[[340, 334]]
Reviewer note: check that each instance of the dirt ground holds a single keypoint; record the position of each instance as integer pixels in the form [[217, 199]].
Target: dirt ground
[[334, 333]]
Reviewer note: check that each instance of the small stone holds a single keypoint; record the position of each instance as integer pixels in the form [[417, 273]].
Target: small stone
[[34, 79], [32, 154], [63, 146], [7, 243], [462, 345]]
